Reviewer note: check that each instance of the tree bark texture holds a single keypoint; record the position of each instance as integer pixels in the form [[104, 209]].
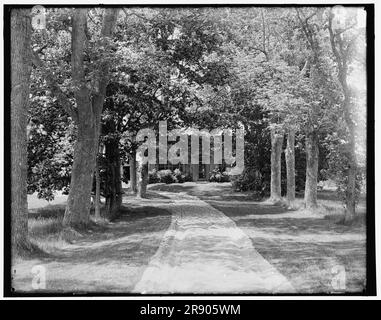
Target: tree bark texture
[[141, 177], [133, 172], [276, 154], [113, 186], [290, 165], [312, 153], [97, 193], [20, 79]]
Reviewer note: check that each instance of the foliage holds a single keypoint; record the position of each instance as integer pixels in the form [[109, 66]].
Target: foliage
[[153, 176], [252, 180], [339, 164], [178, 176], [255, 68], [219, 176], [50, 145], [168, 176]]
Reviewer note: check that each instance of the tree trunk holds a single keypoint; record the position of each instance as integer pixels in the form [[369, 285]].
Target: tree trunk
[[133, 172], [113, 182], [97, 193], [142, 177], [350, 201], [78, 203], [312, 151], [276, 153], [343, 56], [89, 108], [290, 164], [20, 78]]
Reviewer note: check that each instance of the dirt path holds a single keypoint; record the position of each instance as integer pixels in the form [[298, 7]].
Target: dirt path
[[203, 251]]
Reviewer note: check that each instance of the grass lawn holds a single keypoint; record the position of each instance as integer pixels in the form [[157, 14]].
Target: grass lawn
[[304, 249], [110, 257], [307, 248]]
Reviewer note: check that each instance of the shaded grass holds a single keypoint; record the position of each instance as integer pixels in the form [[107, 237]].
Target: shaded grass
[[45, 227], [45, 223], [109, 257], [46, 231], [305, 249]]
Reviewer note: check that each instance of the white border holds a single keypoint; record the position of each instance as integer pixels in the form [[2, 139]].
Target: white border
[[230, 298]]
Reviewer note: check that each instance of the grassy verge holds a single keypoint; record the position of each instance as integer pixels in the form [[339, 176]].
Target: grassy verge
[[45, 226], [308, 248], [109, 257]]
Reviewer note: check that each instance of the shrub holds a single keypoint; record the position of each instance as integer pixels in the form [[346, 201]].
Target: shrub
[[153, 176], [178, 176], [166, 176], [339, 163], [218, 176], [250, 180]]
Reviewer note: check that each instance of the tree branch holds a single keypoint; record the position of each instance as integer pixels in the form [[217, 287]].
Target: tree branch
[[135, 14], [332, 40], [261, 50], [263, 34]]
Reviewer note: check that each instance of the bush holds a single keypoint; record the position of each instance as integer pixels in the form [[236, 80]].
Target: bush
[[153, 176], [339, 161], [178, 176], [166, 176], [218, 176], [250, 180]]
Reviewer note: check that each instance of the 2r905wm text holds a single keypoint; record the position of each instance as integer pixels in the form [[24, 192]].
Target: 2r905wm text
[[193, 309]]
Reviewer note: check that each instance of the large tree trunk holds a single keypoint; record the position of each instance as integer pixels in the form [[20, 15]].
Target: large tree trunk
[[142, 177], [78, 206], [290, 164], [276, 154], [113, 182], [89, 108], [312, 153], [133, 172], [20, 77]]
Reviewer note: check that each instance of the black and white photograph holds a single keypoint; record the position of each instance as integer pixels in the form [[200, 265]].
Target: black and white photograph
[[189, 150]]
